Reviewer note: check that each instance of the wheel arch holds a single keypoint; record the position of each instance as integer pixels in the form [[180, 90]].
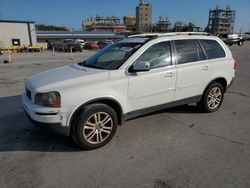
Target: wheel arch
[[220, 80], [113, 103]]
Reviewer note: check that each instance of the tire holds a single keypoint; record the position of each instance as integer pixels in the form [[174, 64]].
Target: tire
[[212, 98], [95, 126], [240, 43]]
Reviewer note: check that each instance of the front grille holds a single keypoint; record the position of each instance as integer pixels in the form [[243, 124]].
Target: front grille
[[28, 93]]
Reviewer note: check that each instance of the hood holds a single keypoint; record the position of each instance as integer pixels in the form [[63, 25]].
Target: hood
[[63, 77]]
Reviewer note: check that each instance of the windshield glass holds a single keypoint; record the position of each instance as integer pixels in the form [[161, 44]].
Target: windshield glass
[[112, 57]]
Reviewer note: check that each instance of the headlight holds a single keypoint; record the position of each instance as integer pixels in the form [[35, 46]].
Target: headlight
[[49, 99]]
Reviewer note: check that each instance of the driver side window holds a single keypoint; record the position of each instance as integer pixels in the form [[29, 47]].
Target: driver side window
[[158, 55]]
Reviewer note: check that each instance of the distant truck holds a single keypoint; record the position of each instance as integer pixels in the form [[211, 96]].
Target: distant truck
[[231, 39]]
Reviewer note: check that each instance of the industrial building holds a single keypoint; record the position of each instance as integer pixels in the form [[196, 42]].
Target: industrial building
[[178, 26], [130, 22], [17, 33], [103, 24], [144, 17], [163, 25], [221, 21]]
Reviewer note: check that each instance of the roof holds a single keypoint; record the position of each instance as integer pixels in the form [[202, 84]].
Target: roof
[[151, 35], [16, 21], [136, 39]]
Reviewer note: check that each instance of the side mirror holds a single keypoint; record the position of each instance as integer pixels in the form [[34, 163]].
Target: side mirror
[[141, 66]]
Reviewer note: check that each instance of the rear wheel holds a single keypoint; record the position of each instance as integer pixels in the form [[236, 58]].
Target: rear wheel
[[96, 126], [212, 98]]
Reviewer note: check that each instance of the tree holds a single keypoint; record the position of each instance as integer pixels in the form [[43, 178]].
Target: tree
[[189, 27], [43, 27]]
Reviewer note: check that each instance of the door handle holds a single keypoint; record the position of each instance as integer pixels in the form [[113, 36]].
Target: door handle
[[169, 74], [205, 68]]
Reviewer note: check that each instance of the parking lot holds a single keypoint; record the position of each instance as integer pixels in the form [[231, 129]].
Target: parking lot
[[176, 148]]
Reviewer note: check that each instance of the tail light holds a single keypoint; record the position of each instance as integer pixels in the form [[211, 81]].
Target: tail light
[[234, 63]]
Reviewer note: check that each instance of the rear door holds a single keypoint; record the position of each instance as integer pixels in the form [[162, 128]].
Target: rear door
[[193, 71]]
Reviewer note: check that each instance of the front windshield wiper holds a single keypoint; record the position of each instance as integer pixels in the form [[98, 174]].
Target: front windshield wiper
[[90, 66]]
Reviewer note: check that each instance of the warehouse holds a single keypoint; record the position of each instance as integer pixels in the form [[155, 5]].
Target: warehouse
[[17, 33]]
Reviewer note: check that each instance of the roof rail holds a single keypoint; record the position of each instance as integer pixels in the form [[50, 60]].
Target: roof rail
[[145, 35], [168, 34]]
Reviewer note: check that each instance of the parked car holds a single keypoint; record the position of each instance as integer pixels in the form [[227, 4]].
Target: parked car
[[50, 45], [91, 46], [74, 45], [68, 40], [81, 42], [103, 44], [130, 78], [231, 39], [59, 46]]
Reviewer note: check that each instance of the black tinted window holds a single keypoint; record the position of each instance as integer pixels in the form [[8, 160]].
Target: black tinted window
[[158, 55], [213, 49], [186, 51]]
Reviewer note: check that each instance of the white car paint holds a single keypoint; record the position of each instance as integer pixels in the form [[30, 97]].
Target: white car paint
[[78, 85]]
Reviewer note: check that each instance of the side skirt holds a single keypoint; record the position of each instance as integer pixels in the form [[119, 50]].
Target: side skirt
[[156, 108]]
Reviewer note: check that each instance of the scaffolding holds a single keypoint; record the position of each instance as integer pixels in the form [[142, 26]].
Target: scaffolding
[[163, 25], [221, 21]]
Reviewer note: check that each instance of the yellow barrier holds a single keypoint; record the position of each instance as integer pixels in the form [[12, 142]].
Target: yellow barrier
[[16, 49]]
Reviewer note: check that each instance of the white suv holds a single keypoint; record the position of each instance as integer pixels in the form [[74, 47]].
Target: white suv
[[132, 77]]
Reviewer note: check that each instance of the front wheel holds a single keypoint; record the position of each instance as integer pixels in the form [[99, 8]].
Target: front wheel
[[96, 126], [212, 98], [240, 43]]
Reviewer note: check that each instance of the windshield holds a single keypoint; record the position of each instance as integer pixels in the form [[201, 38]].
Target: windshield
[[112, 57]]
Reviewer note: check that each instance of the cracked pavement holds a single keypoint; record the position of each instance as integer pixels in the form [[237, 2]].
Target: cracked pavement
[[175, 148]]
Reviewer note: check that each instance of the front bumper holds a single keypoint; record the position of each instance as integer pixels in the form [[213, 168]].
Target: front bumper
[[53, 117]]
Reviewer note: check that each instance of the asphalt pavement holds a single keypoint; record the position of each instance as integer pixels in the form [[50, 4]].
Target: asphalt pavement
[[176, 148]]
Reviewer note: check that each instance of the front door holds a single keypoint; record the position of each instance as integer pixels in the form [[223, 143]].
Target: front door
[[156, 86]]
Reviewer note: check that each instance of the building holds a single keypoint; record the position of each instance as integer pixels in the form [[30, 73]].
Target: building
[[162, 25], [178, 26], [221, 21], [44, 36], [17, 33], [103, 24], [130, 22], [144, 17]]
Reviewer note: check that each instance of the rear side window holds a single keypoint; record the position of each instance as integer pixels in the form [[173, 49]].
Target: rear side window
[[213, 49], [186, 51]]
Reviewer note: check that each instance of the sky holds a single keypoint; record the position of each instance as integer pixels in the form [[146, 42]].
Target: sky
[[70, 13]]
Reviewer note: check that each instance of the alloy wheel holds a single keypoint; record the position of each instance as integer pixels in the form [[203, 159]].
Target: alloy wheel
[[214, 98], [97, 128]]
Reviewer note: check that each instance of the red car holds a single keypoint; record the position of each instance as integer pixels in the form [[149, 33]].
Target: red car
[[91, 46]]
